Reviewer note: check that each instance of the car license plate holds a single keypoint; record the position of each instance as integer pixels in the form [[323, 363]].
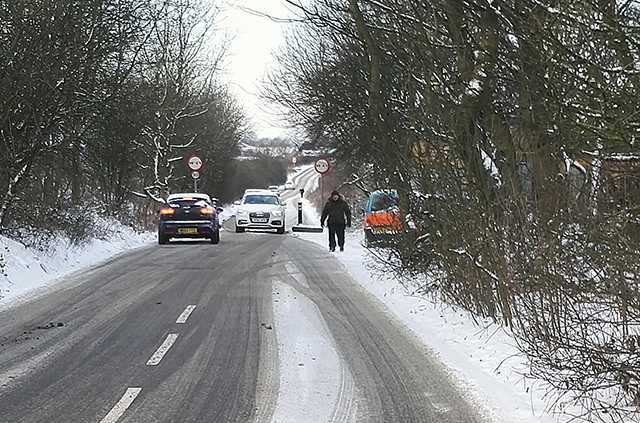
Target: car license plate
[[383, 229], [260, 220], [187, 230]]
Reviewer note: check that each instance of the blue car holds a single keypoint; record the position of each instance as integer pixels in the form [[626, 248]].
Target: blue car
[[189, 215], [382, 217]]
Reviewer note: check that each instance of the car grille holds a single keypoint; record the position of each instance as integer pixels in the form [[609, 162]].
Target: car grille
[[259, 214]]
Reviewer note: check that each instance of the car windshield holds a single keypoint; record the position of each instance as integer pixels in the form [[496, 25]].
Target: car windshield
[[382, 202], [261, 199]]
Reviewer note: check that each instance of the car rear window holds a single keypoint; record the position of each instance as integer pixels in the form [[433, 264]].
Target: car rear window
[[382, 202], [191, 202]]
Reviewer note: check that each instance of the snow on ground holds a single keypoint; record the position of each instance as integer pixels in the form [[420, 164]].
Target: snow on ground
[[23, 271], [313, 380], [483, 359]]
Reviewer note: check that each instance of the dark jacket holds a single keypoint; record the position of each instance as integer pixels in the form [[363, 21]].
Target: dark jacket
[[336, 212]]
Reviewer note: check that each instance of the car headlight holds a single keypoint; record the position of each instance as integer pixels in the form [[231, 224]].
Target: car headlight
[[277, 213], [242, 213]]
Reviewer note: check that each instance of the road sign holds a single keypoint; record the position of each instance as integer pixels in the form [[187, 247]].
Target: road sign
[[322, 166], [195, 174], [194, 162]]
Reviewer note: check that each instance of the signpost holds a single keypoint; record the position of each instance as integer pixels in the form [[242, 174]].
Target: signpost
[[195, 163], [322, 166]]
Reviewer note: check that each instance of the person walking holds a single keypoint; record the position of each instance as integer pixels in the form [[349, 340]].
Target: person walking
[[337, 215]]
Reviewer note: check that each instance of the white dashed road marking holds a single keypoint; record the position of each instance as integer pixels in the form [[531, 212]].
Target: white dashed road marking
[[122, 405], [185, 314], [162, 350]]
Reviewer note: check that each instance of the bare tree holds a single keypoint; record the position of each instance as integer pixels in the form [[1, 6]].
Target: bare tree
[[506, 126], [178, 72], [57, 58]]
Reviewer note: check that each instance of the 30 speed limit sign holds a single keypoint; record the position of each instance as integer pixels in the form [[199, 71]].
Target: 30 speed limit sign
[[195, 163], [322, 166]]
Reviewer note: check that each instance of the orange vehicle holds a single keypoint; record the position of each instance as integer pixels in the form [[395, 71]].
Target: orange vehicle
[[382, 217]]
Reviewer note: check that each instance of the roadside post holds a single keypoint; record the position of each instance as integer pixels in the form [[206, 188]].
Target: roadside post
[[195, 164], [300, 206]]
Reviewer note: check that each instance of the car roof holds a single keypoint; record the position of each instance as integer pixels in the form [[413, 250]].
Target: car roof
[[389, 192], [196, 195]]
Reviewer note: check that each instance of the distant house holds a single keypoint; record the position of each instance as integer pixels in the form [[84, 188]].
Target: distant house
[[612, 179], [248, 151], [621, 176]]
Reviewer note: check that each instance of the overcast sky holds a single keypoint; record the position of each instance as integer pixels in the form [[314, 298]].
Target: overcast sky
[[255, 38]]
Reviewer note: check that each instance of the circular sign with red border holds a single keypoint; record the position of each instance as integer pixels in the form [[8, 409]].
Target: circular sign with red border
[[322, 166], [195, 163]]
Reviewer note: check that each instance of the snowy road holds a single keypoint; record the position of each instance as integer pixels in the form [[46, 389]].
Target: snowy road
[[260, 328]]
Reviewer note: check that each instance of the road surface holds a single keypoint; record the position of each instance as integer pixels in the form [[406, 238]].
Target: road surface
[[194, 332]]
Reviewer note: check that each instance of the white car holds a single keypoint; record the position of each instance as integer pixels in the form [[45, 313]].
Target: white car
[[260, 209], [274, 188], [289, 185]]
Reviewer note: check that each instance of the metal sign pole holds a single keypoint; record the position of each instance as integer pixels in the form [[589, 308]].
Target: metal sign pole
[[195, 163]]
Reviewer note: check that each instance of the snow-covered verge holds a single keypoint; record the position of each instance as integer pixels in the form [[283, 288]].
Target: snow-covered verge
[[481, 357], [25, 270]]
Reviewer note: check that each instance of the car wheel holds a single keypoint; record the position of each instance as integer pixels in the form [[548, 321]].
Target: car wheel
[[162, 239], [369, 239], [215, 238], [239, 229], [281, 230]]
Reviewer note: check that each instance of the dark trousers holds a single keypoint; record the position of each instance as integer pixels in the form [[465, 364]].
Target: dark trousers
[[336, 230]]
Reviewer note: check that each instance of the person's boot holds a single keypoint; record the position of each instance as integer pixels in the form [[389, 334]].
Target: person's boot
[[341, 248]]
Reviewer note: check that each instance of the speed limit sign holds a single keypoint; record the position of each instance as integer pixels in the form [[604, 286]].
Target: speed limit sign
[[322, 166], [195, 163]]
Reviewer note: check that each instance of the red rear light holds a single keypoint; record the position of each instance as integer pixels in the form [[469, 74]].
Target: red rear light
[[207, 210], [167, 211]]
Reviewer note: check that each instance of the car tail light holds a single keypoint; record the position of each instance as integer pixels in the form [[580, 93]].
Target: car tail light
[[207, 211], [167, 211]]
